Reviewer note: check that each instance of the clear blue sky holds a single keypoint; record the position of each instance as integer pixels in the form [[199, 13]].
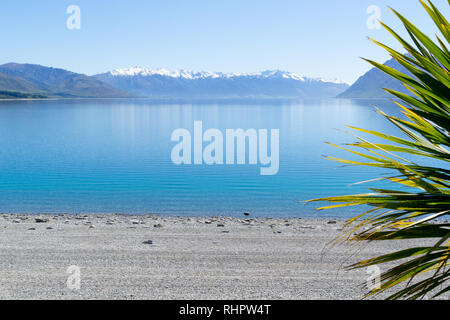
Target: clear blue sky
[[318, 38]]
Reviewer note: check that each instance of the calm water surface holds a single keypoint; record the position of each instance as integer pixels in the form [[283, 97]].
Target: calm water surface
[[113, 156]]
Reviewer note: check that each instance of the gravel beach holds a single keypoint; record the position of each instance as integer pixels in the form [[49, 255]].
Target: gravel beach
[[154, 257]]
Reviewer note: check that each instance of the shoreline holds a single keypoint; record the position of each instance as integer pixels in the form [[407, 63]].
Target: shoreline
[[263, 216], [201, 258], [198, 99]]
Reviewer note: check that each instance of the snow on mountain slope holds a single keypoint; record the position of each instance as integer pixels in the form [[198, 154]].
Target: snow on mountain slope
[[144, 72], [164, 83]]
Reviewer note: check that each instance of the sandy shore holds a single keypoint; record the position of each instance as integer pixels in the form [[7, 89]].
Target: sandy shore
[[149, 257]]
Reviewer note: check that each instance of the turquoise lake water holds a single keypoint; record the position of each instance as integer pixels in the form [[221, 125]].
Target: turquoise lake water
[[114, 156]]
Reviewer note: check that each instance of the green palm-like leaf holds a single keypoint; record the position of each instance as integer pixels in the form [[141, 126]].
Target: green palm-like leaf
[[399, 214]]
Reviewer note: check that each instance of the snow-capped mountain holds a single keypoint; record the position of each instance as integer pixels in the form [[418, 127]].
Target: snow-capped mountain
[[164, 83], [144, 72]]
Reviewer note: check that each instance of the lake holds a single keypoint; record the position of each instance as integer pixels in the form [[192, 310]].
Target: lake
[[114, 156]]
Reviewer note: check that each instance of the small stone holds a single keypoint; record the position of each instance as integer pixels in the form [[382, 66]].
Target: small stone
[[246, 213], [16, 221], [220, 225], [40, 220], [49, 228], [331, 222], [157, 225], [91, 226], [134, 221], [31, 228], [148, 242]]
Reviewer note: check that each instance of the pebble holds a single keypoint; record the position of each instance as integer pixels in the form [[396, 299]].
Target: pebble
[[220, 225], [31, 228], [157, 225], [246, 213], [331, 222], [148, 242], [16, 221], [40, 220]]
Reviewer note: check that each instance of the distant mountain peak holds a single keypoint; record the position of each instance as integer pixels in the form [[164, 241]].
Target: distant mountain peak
[[333, 80], [185, 74], [144, 72]]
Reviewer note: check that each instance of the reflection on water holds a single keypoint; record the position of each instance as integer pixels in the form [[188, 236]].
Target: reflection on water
[[114, 156]]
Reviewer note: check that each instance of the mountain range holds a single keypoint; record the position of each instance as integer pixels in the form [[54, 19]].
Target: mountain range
[[186, 84], [35, 81]]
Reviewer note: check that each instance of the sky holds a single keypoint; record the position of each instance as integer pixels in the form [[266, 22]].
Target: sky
[[314, 38]]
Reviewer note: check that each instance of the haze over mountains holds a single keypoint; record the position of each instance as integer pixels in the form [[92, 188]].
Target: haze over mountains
[[35, 81]]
